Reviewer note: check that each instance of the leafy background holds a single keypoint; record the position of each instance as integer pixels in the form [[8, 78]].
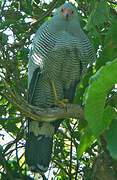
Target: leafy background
[[83, 149]]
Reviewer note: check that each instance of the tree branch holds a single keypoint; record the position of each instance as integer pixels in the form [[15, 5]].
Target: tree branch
[[33, 26], [41, 114]]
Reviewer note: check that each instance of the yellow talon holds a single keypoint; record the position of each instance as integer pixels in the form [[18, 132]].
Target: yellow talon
[[63, 101]]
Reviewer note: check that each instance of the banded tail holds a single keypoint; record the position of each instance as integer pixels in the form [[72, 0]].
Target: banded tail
[[39, 146]]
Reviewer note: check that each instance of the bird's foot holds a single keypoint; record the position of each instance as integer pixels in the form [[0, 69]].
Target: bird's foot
[[62, 102]]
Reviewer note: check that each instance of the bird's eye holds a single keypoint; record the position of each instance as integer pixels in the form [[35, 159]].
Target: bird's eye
[[72, 12]]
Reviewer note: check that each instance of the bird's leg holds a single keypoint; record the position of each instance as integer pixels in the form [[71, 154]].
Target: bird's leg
[[63, 101]]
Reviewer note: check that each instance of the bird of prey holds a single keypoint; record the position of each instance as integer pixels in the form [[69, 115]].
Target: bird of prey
[[58, 58]]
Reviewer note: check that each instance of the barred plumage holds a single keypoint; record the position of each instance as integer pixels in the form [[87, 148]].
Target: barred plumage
[[60, 54]]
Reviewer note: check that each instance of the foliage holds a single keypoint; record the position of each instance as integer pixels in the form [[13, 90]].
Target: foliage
[[82, 147]]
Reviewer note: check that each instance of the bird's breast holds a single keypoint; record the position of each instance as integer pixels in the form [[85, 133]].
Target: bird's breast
[[63, 62]]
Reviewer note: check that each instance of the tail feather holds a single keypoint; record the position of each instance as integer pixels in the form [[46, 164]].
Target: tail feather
[[38, 150]]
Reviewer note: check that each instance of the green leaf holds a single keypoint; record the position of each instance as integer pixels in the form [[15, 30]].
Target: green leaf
[[86, 140], [109, 52], [111, 37], [113, 101], [99, 15], [111, 139], [78, 99], [108, 115], [95, 97]]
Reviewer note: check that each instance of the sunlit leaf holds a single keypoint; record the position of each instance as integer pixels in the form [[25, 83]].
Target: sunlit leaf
[[95, 97]]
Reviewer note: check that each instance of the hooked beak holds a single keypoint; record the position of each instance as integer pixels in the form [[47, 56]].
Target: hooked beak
[[67, 16]]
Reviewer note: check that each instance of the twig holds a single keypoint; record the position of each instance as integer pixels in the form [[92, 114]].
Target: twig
[[70, 166], [14, 149], [61, 167], [64, 135], [12, 73], [76, 173], [35, 24], [12, 143], [17, 156], [10, 118], [4, 163]]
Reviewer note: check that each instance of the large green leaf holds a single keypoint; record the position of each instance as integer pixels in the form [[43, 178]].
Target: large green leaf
[[109, 52], [111, 139], [95, 97], [98, 117], [86, 140], [99, 15]]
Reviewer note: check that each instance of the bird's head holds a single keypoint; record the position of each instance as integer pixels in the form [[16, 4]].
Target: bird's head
[[66, 12], [65, 18]]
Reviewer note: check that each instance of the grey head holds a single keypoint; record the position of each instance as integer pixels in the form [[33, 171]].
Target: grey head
[[67, 12], [66, 19]]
